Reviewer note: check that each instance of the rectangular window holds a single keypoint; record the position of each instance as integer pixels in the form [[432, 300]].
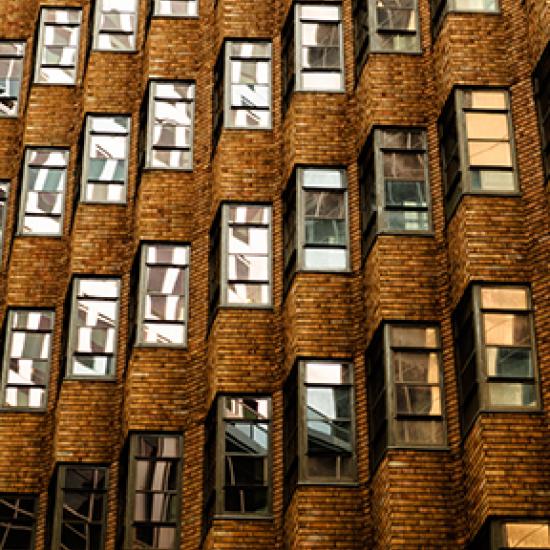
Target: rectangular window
[[176, 8], [501, 374], [440, 8], [405, 389], [17, 521], [154, 488], [4, 190], [542, 98], [241, 255], [58, 46], [504, 534], [11, 74], [27, 358], [242, 455], [315, 226], [105, 170], [80, 507], [395, 192], [170, 128], [360, 18], [93, 334], [43, 192], [115, 25], [164, 295], [288, 59], [476, 143]]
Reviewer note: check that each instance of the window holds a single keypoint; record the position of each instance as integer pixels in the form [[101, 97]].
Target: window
[[164, 295], [393, 175], [240, 256], [405, 389], [319, 427], [315, 226], [542, 97], [500, 372], [239, 441], [154, 484], [476, 143], [176, 8], [11, 73], [27, 359], [105, 171], [504, 534], [313, 54], [170, 131], [115, 25], [58, 44], [93, 334], [4, 189], [80, 507], [43, 192], [440, 8], [17, 521]]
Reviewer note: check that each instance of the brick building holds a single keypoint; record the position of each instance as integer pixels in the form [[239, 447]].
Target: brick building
[[274, 274]]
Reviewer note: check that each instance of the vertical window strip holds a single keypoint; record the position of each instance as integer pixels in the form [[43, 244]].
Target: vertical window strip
[[360, 34], [176, 8], [27, 359], [58, 46], [542, 96], [43, 192], [116, 25], [18, 514], [105, 171], [164, 295], [11, 75], [288, 61], [171, 119], [4, 193]]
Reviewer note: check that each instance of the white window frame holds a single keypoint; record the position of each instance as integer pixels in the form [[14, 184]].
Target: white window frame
[[17, 59], [194, 4], [98, 32]]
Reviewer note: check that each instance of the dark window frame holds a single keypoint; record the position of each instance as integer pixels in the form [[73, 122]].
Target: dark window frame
[[441, 8], [541, 84], [492, 534], [26, 496], [4, 206]]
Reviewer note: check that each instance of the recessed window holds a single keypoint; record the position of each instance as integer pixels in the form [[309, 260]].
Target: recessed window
[[115, 25], [238, 440], [164, 295], [405, 389], [170, 128], [105, 170], [4, 190], [395, 191], [11, 74], [542, 97], [58, 46], [240, 257], [176, 8], [476, 145], [43, 192], [440, 8], [27, 358], [80, 507], [319, 423], [17, 521], [500, 372], [505, 534], [154, 489], [93, 334]]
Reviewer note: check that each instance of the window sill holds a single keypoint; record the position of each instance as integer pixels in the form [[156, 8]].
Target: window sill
[[74, 378], [18, 410], [144, 345], [168, 169], [241, 517], [349, 484], [63, 84], [417, 53], [103, 203], [44, 235], [161, 16], [99, 50]]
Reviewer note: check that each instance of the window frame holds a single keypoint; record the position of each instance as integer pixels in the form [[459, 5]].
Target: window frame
[[156, 13], [21, 60], [73, 329], [492, 533], [541, 81], [4, 205], [61, 472], [40, 44], [98, 11], [35, 498], [142, 293], [133, 438], [24, 190], [84, 182], [149, 147]]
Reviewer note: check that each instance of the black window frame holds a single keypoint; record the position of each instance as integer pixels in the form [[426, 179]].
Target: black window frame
[[541, 84], [18, 497], [492, 535]]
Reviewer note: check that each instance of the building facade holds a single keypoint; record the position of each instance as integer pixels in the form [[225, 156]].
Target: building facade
[[274, 274]]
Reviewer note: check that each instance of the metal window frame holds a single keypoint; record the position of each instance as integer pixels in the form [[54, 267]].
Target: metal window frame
[[97, 32], [21, 59], [86, 157], [73, 330], [219, 512], [299, 69], [59, 500], [172, 15], [24, 190], [227, 75], [40, 44], [7, 356], [35, 497], [538, 76], [224, 255], [4, 204], [302, 446], [132, 476], [142, 293], [441, 8], [150, 125]]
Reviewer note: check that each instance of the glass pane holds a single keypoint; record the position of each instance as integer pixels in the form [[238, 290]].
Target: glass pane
[[487, 126], [250, 95], [507, 329], [489, 153], [152, 446], [415, 367], [322, 81], [243, 267], [104, 169], [101, 192], [30, 345], [155, 507], [420, 432], [59, 35], [396, 15], [99, 288], [407, 221], [156, 475], [46, 179], [331, 467], [246, 408], [405, 193], [32, 320], [248, 240], [171, 136], [249, 72], [250, 499], [325, 258], [109, 125], [527, 534], [179, 8], [25, 397], [250, 49], [249, 118], [44, 157], [166, 280], [115, 41], [245, 470], [164, 308], [418, 400], [328, 373], [173, 90], [41, 225], [61, 16], [317, 57], [96, 313], [246, 438], [173, 112], [415, 337], [317, 12], [328, 403], [171, 159], [85, 478], [511, 394], [248, 294], [477, 99], [324, 205], [509, 362], [312, 177], [96, 340], [165, 254], [160, 538], [402, 139], [107, 146], [92, 366], [44, 203], [406, 166], [159, 333], [504, 298], [249, 214], [493, 180]]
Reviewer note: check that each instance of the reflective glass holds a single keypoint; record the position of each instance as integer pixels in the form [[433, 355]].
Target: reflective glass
[[156, 475], [152, 536], [511, 394], [154, 446], [413, 337], [325, 258], [328, 373], [176, 8], [507, 329], [509, 362], [420, 432], [504, 298], [527, 534], [312, 177], [424, 400], [416, 367], [246, 408], [249, 214]]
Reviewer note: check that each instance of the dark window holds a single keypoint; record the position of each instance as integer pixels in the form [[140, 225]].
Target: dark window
[[4, 193], [17, 521], [542, 96], [288, 60], [11, 74], [360, 34]]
